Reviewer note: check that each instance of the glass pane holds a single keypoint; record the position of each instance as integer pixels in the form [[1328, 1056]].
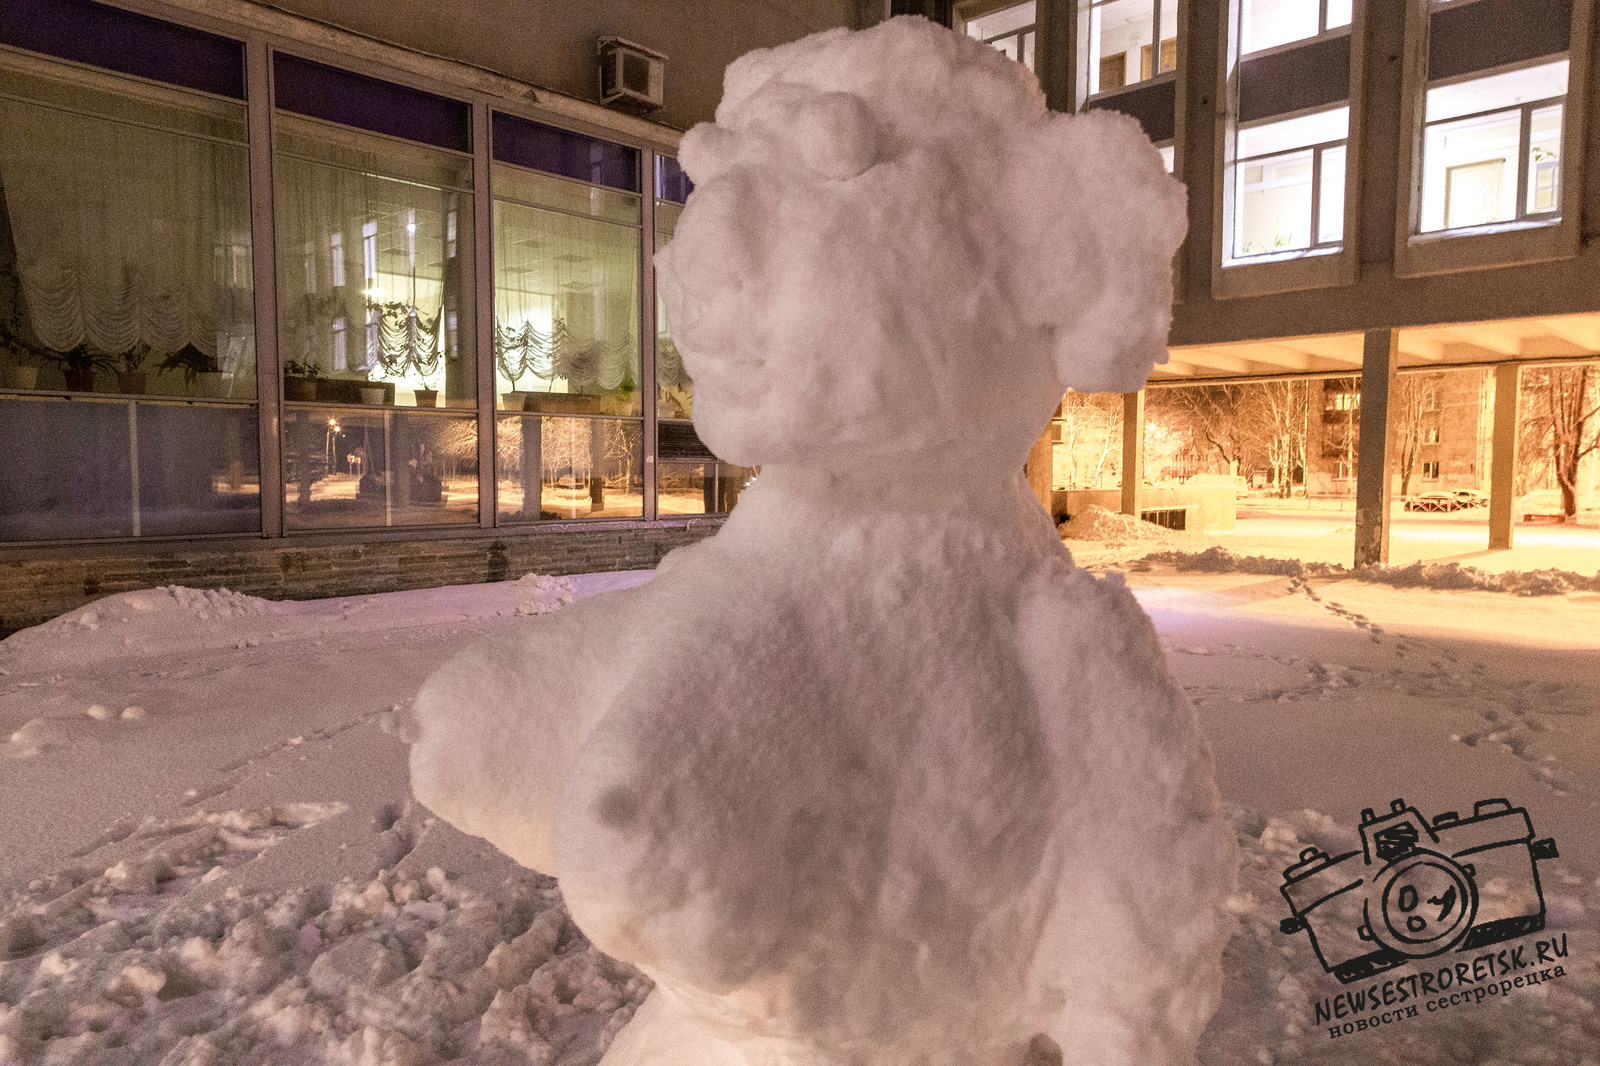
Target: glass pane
[[564, 194], [689, 479], [674, 389], [351, 99], [345, 468], [68, 474], [1273, 205], [1330, 226], [576, 467], [1303, 132], [1338, 13], [1169, 156], [566, 312], [1544, 161], [199, 469], [1469, 171], [1119, 44], [1006, 22], [1268, 23], [129, 246], [374, 279], [1497, 91]]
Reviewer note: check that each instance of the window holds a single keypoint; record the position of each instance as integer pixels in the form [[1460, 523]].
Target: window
[[1011, 30], [1430, 470], [689, 478], [1269, 23], [1491, 149], [127, 334], [1128, 41], [1430, 435], [566, 231], [1289, 179]]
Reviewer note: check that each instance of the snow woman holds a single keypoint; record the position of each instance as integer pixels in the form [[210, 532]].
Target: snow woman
[[875, 775]]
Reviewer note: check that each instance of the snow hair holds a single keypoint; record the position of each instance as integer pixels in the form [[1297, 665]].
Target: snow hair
[[898, 204]]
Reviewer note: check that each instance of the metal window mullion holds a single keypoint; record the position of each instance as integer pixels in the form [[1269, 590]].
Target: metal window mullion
[[483, 316], [1316, 199], [1322, 17], [647, 329], [264, 268], [1155, 38], [1524, 149]]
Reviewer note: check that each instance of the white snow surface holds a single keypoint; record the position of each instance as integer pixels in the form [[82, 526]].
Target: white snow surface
[[255, 821], [875, 775]]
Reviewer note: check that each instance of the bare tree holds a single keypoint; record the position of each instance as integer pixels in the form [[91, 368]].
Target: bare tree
[[1415, 397], [1216, 415], [1564, 426], [1091, 433], [1277, 420]]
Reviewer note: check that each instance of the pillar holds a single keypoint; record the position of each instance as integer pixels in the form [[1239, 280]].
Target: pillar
[[1132, 451], [1503, 454], [1372, 463], [1040, 467]]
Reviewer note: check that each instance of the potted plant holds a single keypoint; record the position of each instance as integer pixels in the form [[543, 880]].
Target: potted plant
[[131, 375], [79, 364], [427, 396], [199, 367], [300, 379]]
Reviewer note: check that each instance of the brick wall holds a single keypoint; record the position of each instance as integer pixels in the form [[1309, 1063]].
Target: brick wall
[[39, 583]]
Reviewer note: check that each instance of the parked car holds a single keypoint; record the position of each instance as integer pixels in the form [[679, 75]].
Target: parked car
[[1452, 500]]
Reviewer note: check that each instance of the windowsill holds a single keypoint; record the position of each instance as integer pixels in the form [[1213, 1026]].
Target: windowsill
[[1283, 257], [1487, 229], [142, 397], [1485, 247], [1299, 42], [1123, 90]]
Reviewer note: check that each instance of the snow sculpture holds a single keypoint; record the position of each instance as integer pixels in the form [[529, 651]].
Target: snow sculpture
[[875, 775]]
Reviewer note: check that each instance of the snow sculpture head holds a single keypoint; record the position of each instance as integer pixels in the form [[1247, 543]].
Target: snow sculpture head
[[868, 270]]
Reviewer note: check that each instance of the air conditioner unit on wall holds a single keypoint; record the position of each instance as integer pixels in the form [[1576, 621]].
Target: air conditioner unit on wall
[[632, 77]]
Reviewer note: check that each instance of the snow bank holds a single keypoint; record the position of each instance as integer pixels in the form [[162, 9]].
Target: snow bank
[[1219, 560], [1113, 528]]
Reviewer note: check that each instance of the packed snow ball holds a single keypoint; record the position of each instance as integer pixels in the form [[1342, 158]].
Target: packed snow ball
[[1027, 250]]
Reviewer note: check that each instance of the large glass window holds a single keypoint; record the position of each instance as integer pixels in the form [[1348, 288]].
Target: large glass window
[[1491, 149], [1289, 180], [1010, 30], [689, 478], [125, 268], [566, 266], [1268, 23], [1128, 41]]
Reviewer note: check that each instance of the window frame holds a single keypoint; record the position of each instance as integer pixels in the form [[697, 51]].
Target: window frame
[[1525, 239], [1321, 265]]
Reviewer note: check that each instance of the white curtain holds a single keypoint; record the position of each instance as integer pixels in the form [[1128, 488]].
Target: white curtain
[[364, 268], [126, 234], [566, 299]]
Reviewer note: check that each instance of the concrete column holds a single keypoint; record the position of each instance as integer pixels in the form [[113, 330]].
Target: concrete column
[[1132, 451], [1503, 454], [1372, 464], [1040, 467]]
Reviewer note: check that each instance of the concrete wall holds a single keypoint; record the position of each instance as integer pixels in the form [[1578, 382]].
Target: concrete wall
[[551, 43], [47, 582], [1212, 508]]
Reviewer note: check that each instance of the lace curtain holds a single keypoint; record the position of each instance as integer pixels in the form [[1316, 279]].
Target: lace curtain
[[368, 269], [126, 234], [566, 300]]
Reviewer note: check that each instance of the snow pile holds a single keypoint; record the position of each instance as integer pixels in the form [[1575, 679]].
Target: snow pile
[[874, 774], [152, 960], [542, 593], [1219, 560], [1114, 528]]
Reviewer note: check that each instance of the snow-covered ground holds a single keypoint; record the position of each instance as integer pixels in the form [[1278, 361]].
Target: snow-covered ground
[[208, 856]]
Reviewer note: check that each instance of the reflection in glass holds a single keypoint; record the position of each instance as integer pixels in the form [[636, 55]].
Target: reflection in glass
[[372, 242], [689, 479], [674, 388], [573, 467], [86, 469], [1009, 30], [352, 468], [566, 301], [124, 234]]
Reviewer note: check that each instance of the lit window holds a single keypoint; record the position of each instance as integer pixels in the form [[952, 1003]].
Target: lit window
[[1491, 150], [1009, 30], [1289, 185], [1121, 38], [369, 252], [1430, 470], [1168, 156], [309, 258], [336, 251], [341, 350], [1431, 435], [1269, 23]]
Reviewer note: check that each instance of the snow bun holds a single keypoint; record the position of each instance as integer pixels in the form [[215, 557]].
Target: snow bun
[[895, 250]]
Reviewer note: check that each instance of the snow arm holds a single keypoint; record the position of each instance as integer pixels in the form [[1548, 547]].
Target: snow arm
[[498, 727]]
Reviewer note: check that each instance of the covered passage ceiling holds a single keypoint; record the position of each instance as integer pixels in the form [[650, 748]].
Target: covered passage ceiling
[[1554, 339]]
